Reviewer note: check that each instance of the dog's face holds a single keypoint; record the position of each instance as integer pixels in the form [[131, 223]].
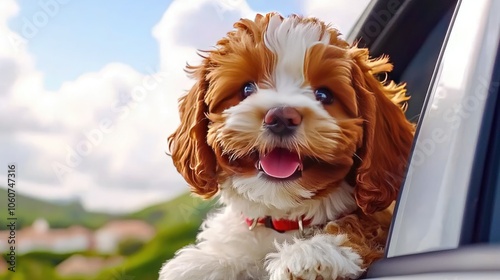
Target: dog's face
[[285, 111]]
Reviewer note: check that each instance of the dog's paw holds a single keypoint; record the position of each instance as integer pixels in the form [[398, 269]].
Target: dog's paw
[[320, 258]]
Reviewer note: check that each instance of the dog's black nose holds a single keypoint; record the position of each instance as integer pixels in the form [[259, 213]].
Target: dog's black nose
[[282, 120]]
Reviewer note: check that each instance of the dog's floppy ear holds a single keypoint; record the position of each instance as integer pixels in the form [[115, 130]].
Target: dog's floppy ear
[[192, 156], [387, 135]]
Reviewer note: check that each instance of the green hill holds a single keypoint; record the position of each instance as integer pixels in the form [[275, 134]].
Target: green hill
[[58, 215], [181, 210]]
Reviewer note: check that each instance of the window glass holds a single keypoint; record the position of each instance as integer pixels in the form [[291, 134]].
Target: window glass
[[494, 211], [417, 75], [494, 234]]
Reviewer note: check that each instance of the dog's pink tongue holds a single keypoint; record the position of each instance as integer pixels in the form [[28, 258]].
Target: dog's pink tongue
[[280, 163]]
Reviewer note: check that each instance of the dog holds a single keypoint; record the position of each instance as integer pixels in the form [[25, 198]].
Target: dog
[[304, 146]]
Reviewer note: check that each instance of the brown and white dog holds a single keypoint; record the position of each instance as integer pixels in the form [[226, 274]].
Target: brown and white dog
[[305, 148]]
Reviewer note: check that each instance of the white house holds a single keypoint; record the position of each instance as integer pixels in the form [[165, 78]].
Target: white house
[[111, 234]]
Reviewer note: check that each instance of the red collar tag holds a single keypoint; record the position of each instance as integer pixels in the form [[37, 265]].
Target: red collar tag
[[280, 225]]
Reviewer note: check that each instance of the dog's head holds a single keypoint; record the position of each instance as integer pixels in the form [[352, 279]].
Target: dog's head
[[286, 111]]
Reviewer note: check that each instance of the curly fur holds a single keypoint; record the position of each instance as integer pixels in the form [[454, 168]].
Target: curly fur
[[353, 153]]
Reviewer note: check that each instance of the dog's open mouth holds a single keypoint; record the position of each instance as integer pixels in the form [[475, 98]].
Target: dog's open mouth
[[281, 164]]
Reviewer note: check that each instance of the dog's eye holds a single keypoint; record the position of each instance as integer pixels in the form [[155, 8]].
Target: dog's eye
[[248, 89], [324, 96]]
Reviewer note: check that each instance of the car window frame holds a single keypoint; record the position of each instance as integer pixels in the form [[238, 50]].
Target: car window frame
[[439, 223]]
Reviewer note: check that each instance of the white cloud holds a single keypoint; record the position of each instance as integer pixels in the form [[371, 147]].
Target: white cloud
[[8, 9], [105, 132], [191, 25], [340, 13]]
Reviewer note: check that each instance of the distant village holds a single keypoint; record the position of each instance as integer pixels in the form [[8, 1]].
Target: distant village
[[39, 237]]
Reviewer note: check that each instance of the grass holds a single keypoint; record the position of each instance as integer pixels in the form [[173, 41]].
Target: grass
[[40, 266]]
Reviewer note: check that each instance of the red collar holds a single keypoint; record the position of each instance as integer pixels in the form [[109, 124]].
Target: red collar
[[280, 225]]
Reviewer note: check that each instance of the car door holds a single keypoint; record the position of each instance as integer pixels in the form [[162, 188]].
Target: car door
[[447, 218]]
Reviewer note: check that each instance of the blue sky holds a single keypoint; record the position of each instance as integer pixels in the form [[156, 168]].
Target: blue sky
[[86, 35], [89, 90]]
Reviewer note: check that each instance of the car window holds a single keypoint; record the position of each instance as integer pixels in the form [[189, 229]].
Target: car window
[[488, 212], [418, 74], [478, 252], [411, 34], [435, 196]]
